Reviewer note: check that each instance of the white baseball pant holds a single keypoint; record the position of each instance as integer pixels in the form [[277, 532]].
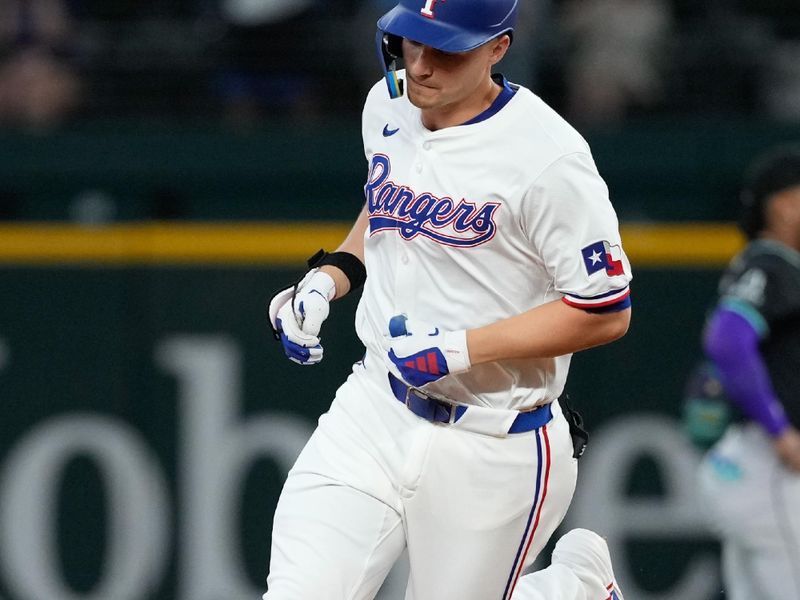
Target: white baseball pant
[[473, 510], [752, 501]]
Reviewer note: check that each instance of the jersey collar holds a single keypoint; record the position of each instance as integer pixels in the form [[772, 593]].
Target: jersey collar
[[502, 99], [788, 253]]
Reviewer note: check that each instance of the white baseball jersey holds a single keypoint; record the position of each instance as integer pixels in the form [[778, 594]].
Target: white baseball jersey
[[472, 224]]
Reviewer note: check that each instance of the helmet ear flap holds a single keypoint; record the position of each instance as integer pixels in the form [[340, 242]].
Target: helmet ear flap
[[390, 50], [394, 45]]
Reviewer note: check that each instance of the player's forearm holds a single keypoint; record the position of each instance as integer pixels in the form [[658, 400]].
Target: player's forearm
[[354, 244], [553, 329]]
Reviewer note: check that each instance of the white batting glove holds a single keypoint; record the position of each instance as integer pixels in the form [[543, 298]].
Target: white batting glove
[[297, 313], [312, 302], [419, 353], [298, 346]]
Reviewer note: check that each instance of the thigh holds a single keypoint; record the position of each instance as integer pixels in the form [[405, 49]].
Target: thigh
[[750, 500], [727, 497], [737, 574], [734, 484], [331, 541], [338, 529], [484, 509], [775, 563]]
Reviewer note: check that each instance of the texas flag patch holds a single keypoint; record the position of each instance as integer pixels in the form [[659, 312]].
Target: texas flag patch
[[603, 256]]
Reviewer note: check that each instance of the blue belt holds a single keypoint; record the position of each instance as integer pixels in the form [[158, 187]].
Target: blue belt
[[437, 411]]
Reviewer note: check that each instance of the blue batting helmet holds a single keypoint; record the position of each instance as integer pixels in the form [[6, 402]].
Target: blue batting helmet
[[447, 25]]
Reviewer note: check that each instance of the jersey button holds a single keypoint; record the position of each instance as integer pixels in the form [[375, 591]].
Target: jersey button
[[404, 259], [426, 145], [418, 167]]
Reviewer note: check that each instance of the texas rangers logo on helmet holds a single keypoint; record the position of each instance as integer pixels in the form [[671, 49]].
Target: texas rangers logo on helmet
[[427, 10], [601, 256], [396, 207]]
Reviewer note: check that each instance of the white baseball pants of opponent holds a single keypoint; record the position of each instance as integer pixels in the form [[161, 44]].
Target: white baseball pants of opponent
[[473, 510], [753, 502]]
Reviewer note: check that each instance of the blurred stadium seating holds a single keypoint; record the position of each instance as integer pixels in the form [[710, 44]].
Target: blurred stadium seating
[[178, 96]]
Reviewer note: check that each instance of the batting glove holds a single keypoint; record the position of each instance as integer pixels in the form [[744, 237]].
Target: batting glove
[[419, 353], [297, 313]]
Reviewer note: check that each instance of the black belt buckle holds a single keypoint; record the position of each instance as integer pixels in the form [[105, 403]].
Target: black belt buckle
[[418, 393], [419, 403], [436, 410]]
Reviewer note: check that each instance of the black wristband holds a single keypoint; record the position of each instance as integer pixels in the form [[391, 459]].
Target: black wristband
[[347, 263]]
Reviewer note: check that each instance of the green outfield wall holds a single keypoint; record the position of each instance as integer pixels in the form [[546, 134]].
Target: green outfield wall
[[656, 170], [148, 418]]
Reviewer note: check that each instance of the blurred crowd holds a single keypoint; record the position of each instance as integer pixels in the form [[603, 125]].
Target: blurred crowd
[[245, 61]]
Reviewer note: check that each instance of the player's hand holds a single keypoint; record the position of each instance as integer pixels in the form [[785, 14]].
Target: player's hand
[[419, 353], [299, 347], [312, 301], [787, 445], [297, 313]]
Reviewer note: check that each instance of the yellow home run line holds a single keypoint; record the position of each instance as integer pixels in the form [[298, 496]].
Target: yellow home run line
[[290, 243]]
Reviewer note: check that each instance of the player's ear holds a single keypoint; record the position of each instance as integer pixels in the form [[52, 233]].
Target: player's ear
[[499, 47]]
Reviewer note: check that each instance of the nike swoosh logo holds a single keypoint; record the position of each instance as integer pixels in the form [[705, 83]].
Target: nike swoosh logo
[[435, 332], [388, 132]]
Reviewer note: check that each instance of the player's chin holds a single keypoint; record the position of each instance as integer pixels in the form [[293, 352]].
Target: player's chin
[[423, 100], [422, 96]]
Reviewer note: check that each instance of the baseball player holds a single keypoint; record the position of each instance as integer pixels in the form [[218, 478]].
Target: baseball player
[[750, 479], [489, 253]]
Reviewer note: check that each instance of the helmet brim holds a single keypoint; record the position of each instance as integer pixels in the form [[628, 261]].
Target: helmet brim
[[412, 25]]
